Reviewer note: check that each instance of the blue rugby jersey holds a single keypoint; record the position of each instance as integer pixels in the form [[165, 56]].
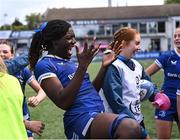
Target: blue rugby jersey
[[170, 63], [24, 76], [87, 99]]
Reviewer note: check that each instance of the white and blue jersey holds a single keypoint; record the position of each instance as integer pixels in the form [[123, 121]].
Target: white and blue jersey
[[170, 63], [25, 76], [87, 103], [121, 87]]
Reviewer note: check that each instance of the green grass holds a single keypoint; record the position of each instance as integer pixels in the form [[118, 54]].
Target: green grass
[[53, 116]]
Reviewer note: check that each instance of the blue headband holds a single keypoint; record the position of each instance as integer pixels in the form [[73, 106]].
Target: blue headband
[[40, 29]]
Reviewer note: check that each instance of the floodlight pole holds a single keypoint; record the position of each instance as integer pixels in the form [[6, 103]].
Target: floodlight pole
[[109, 3]]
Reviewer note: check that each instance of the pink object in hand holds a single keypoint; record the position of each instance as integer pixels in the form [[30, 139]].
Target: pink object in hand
[[162, 101]]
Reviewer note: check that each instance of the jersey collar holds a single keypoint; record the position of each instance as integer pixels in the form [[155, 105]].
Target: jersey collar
[[54, 56], [177, 52], [128, 62]]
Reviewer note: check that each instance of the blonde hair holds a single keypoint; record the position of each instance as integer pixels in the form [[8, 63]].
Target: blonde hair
[[3, 68]]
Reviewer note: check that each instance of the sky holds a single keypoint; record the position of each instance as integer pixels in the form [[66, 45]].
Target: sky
[[11, 9]]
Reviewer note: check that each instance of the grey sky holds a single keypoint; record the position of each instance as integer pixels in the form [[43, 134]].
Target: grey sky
[[10, 9]]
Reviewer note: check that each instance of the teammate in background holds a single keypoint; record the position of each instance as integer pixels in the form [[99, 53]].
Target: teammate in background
[[25, 76], [11, 107], [16, 64], [170, 63], [121, 83], [68, 86]]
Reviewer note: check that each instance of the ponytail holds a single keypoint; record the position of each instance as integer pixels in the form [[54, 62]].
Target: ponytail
[[35, 49]]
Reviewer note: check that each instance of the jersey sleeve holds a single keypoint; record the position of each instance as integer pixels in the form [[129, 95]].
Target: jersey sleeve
[[161, 61], [43, 71], [156, 90], [145, 75], [28, 75]]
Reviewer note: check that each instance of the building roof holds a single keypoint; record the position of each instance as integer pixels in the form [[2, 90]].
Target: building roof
[[9, 34], [5, 34], [106, 13], [22, 34]]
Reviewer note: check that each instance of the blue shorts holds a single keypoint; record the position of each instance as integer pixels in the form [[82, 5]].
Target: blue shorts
[[26, 116], [78, 126], [168, 115]]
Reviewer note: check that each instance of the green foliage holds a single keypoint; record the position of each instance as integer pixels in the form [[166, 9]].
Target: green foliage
[[33, 20], [5, 27], [53, 116], [16, 26], [171, 1], [19, 28], [17, 22]]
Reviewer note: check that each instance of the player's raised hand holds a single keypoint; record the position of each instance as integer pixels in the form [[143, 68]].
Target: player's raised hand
[[86, 56], [111, 53]]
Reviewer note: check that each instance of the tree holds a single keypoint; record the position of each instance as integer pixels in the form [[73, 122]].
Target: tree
[[171, 1], [33, 20], [17, 22], [18, 26], [5, 27]]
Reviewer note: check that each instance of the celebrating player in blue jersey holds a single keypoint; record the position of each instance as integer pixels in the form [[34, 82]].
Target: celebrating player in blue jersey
[[68, 86], [170, 63]]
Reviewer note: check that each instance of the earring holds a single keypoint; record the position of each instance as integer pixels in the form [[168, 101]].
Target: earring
[[43, 47]]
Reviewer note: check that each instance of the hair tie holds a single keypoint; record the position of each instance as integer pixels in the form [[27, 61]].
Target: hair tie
[[41, 28]]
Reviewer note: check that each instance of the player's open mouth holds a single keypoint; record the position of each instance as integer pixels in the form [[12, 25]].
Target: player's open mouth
[[69, 51], [136, 51]]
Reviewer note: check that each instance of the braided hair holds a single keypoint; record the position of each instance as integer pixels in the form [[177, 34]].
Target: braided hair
[[42, 39], [124, 34]]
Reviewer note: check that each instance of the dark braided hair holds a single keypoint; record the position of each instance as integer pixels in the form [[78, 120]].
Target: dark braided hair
[[42, 39]]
